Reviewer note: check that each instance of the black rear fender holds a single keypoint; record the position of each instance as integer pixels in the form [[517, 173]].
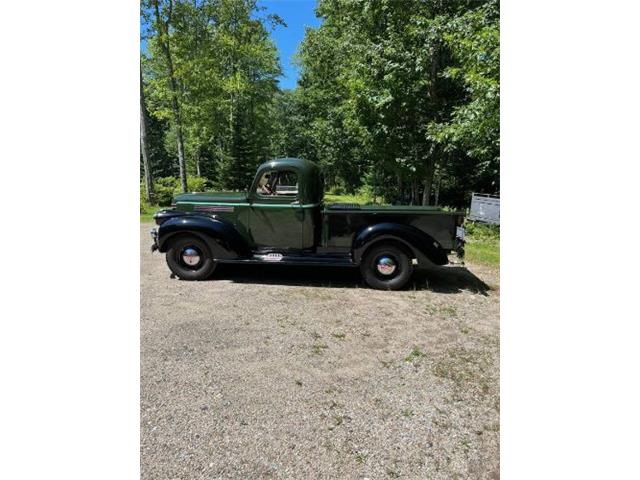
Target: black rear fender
[[421, 244], [221, 237]]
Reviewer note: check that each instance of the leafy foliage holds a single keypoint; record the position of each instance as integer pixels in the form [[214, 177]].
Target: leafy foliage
[[166, 187], [398, 101], [403, 97], [474, 126], [226, 67]]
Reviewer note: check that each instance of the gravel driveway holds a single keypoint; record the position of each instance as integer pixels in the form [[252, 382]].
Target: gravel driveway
[[276, 372]]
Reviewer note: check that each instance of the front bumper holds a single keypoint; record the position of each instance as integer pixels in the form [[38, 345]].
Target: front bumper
[[154, 236]]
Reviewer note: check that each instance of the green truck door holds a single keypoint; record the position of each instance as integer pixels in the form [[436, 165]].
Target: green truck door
[[276, 216], [275, 224]]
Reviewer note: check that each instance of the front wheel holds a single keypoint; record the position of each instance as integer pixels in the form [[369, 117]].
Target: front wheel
[[189, 258], [386, 267]]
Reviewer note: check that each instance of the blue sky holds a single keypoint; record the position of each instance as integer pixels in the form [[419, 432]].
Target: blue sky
[[296, 14]]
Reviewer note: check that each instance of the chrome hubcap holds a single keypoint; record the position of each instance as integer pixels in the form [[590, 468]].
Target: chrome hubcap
[[386, 266], [190, 256]]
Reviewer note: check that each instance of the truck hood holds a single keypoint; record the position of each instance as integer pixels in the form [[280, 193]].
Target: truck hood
[[211, 197]]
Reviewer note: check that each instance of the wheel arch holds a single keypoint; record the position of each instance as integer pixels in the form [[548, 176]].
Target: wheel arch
[[221, 237], [416, 243], [397, 242]]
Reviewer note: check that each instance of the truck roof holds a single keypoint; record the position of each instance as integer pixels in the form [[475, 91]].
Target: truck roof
[[311, 188], [289, 162]]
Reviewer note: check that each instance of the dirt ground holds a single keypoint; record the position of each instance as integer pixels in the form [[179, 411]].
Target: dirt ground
[[286, 372]]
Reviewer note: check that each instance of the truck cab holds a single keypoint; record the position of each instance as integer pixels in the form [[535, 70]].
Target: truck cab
[[283, 218], [284, 200]]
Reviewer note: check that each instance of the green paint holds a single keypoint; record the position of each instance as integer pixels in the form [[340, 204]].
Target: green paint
[[274, 221], [253, 205]]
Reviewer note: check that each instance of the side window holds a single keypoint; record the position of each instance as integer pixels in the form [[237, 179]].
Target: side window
[[278, 183]]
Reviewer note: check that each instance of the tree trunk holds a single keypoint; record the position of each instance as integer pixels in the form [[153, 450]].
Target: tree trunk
[[428, 178], [198, 161], [163, 30], [431, 160], [144, 144], [429, 172], [414, 191]]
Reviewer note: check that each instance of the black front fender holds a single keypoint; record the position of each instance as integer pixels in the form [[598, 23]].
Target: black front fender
[[420, 243], [223, 239]]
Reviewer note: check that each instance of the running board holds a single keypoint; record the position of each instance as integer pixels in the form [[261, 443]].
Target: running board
[[280, 259]]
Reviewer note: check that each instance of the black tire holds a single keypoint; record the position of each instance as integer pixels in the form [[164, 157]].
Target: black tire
[[395, 280], [179, 250]]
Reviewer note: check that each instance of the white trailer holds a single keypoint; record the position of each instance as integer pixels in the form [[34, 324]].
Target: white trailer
[[485, 208]]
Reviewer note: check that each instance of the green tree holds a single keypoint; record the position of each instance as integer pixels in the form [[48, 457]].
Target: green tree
[[250, 68], [373, 79], [388, 93], [398, 97], [474, 126], [162, 11], [144, 144], [224, 68], [288, 138]]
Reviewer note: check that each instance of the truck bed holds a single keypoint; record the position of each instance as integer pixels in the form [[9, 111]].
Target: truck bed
[[342, 221]]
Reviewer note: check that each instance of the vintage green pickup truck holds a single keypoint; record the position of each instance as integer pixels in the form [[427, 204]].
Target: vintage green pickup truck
[[283, 219]]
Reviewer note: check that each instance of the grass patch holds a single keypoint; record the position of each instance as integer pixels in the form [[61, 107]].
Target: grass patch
[[467, 369], [439, 310], [147, 211], [318, 348], [337, 421], [407, 412], [483, 244], [448, 311], [488, 254], [415, 354], [430, 309], [361, 457]]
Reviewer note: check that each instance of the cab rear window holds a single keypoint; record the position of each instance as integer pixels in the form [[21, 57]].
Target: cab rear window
[[279, 183]]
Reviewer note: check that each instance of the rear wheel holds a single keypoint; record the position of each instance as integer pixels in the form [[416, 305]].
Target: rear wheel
[[189, 258], [386, 267]]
